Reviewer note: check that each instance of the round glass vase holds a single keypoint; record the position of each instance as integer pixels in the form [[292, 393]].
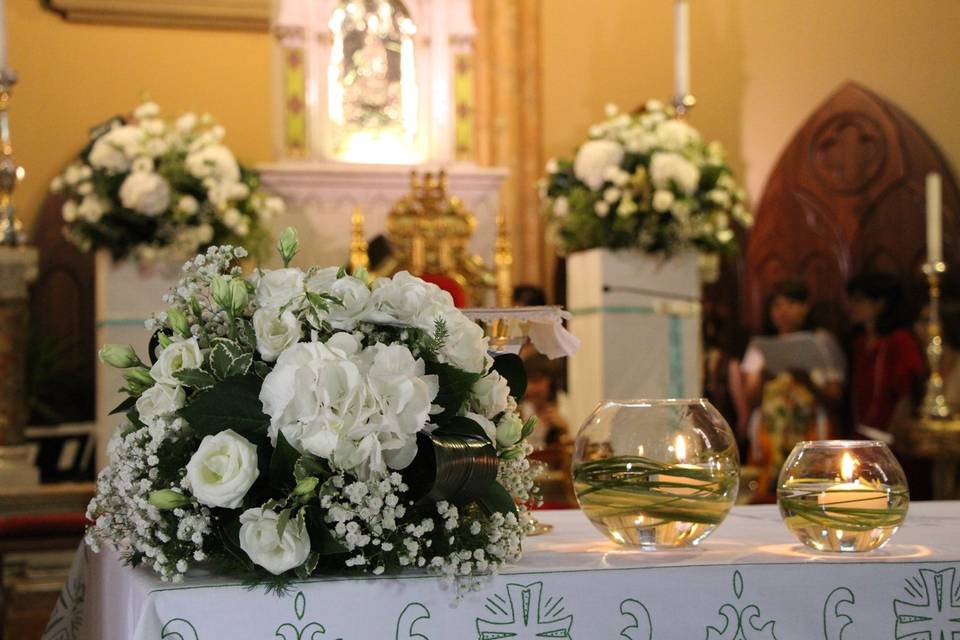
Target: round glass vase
[[656, 474], [842, 495]]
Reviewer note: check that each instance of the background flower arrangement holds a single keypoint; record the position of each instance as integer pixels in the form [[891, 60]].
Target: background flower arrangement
[[300, 422], [644, 180], [151, 188]]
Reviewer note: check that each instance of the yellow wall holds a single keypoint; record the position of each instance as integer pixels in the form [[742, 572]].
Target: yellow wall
[[759, 67], [73, 76]]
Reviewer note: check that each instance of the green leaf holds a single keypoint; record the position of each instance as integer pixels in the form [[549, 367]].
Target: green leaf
[[283, 520], [283, 462], [510, 366], [124, 406], [195, 378], [261, 368], [463, 426], [247, 334], [528, 427], [308, 466], [497, 500], [229, 358], [455, 386], [234, 404], [321, 540], [309, 566]]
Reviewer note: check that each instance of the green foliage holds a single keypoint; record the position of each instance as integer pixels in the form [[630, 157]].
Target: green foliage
[[497, 500], [229, 358], [195, 378], [282, 465], [233, 403], [510, 367], [455, 385]]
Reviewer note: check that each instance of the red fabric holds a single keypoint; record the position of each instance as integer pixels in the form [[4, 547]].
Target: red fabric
[[884, 373], [449, 285], [48, 524]]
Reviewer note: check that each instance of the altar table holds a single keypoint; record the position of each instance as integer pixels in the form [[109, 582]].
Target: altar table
[[750, 580]]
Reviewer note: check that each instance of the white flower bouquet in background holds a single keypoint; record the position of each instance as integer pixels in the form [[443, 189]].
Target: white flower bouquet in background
[[148, 188], [644, 180], [304, 421]]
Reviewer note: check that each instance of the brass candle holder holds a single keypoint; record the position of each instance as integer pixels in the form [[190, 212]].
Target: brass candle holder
[[683, 104], [10, 173], [934, 407]]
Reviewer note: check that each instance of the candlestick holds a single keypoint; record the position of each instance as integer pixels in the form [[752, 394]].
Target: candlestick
[[3, 36], [934, 405], [681, 48], [10, 173], [934, 219]]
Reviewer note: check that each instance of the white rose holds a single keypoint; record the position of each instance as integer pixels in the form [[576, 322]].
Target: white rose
[[223, 469], [662, 199], [320, 280], [159, 401], [183, 354], [146, 193], [275, 331], [466, 345], [593, 160], [354, 295], [279, 287], [509, 430], [260, 539], [214, 161], [490, 394], [665, 167]]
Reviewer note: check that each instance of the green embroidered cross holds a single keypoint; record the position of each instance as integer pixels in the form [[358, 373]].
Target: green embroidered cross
[[935, 611], [524, 616]]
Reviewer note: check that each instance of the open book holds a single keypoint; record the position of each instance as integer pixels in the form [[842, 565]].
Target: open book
[[802, 350]]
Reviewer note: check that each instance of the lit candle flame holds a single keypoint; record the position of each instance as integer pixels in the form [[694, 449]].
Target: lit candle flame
[[680, 448], [847, 465]]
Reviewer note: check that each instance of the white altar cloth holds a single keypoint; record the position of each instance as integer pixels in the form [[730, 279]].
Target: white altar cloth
[[750, 580]]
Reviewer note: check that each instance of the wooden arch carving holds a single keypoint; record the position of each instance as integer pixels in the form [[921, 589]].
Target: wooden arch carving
[[846, 196]]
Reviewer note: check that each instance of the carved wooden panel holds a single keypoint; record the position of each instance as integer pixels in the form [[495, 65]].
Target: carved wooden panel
[[252, 15], [62, 343], [847, 195]]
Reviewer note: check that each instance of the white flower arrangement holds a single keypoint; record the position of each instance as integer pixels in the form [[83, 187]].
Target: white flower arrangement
[[300, 422], [645, 180], [153, 189]]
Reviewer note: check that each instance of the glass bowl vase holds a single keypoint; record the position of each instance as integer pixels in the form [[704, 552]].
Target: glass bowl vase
[[842, 495], [656, 474]]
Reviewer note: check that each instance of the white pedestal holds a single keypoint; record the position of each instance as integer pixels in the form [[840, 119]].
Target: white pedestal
[[321, 196], [638, 319], [126, 296]]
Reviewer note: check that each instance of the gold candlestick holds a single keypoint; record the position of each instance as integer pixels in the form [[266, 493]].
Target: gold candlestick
[[934, 405], [683, 104], [10, 173]]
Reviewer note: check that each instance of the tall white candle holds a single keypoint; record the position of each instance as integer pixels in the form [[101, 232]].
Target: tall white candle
[[3, 35], [934, 219], [681, 48]]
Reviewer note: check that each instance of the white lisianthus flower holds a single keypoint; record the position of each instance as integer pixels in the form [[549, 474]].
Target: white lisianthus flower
[[279, 287], [552, 166], [114, 150], [354, 296], [490, 394], [509, 430], [275, 331], [180, 355], [561, 207], [223, 469], [159, 401], [85, 188], [406, 299], [662, 200], [153, 126], [653, 105], [485, 423], [665, 167], [188, 204], [146, 193], [320, 280], [214, 161], [602, 209], [639, 141], [260, 539], [594, 158], [466, 345]]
